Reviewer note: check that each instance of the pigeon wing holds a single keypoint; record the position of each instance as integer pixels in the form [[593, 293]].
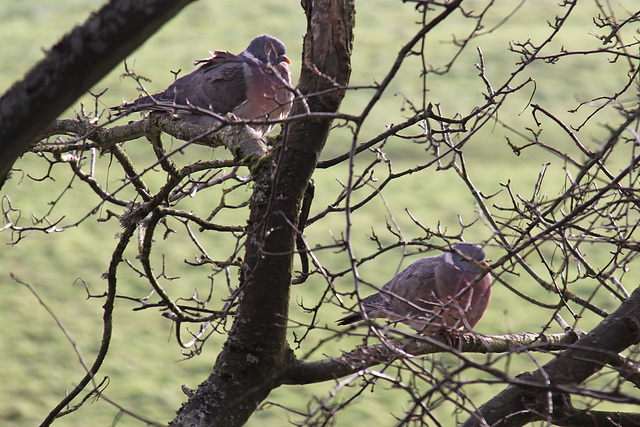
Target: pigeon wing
[[220, 84], [412, 290], [408, 295], [217, 85]]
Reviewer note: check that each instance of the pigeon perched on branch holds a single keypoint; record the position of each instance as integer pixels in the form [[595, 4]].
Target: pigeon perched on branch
[[254, 85], [437, 293]]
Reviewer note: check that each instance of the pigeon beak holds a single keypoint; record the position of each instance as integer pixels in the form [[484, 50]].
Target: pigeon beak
[[285, 59]]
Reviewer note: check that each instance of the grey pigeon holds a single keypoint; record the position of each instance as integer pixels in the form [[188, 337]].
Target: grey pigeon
[[433, 294], [253, 85]]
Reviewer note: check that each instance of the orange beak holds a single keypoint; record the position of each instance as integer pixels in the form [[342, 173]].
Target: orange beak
[[285, 59]]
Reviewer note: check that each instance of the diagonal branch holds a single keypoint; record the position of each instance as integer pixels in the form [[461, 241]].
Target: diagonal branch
[[524, 402]]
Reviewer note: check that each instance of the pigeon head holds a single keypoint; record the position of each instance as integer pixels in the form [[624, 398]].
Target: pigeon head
[[468, 250], [267, 49]]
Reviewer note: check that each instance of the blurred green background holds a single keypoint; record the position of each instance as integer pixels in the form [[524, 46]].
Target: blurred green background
[[145, 366]]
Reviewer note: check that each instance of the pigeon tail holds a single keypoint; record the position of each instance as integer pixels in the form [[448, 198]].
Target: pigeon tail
[[352, 318]]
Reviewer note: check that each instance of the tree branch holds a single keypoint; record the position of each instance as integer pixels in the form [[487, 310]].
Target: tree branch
[[524, 401], [365, 357], [240, 139], [256, 349], [74, 64]]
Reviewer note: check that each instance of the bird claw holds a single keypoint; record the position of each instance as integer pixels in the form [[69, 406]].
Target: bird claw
[[453, 338]]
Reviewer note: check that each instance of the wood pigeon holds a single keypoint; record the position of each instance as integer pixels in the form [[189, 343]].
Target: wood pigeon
[[253, 85], [434, 293]]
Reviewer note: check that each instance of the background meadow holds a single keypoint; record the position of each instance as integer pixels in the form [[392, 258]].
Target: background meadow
[[145, 366]]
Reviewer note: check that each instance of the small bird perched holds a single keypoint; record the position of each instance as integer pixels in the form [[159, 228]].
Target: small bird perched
[[434, 293], [253, 85]]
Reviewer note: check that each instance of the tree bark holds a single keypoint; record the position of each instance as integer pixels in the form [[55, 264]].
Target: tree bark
[[256, 350], [77, 62]]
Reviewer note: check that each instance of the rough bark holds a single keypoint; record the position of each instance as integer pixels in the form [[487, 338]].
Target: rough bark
[[528, 398], [74, 64], [256, 350]]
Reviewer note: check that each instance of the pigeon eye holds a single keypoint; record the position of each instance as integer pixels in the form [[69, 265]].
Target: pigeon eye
[[270, 53]]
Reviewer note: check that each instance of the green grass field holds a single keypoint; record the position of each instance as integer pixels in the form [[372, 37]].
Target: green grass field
[[145, 366]]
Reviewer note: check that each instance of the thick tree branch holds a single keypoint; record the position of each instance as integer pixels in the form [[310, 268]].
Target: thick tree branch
[[525, 400], [256, 350], [77, 62], [572, 417]]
